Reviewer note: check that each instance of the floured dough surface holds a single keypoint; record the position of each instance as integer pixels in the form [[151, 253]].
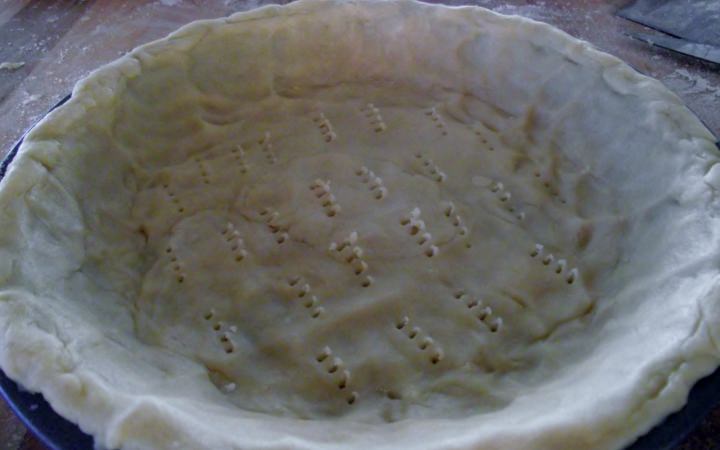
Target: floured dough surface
[[355, 259], [363, 225]]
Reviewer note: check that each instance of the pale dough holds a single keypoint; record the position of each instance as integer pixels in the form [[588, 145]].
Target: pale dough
[[363, 224]]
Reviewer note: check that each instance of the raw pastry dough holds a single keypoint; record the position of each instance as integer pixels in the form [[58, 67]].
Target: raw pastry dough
[[364, 224]]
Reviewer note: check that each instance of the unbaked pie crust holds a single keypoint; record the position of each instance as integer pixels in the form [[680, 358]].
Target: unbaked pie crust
[[363, 224]]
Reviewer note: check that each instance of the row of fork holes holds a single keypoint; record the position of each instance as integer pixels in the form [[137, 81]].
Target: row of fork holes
[[217, 326], [485, 141], [239, 156], [484, 313], [432, 168], [356, 253], [266, 147], [412, 334], [326, 128], [437, 120], [274, 229], [504, 196], [373, 115], [308, 301], [179, 276], [455, 220], [333, 369], [375, 183], [328, 203], [413, 231], [173, 198], [230, 236], [546, 260], [203, 170], [550, 188]]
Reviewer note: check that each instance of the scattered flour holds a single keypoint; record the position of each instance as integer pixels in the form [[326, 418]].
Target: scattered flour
[[694, 84], [11, 65], [536, 11], [30, 99]]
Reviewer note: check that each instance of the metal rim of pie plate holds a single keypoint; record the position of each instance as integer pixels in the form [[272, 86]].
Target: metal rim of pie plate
[[58, 433]]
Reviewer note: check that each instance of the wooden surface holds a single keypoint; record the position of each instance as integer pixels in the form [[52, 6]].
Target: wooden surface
[[59, 42]]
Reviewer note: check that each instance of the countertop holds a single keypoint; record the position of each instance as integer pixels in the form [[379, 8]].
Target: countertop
[[55, 43]]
